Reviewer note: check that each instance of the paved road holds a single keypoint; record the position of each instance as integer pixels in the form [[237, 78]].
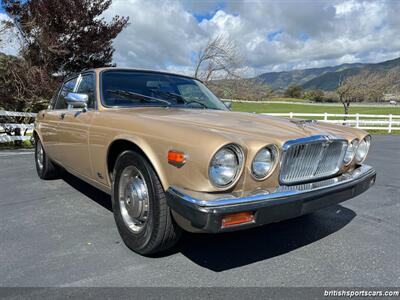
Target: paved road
[[62, 233]]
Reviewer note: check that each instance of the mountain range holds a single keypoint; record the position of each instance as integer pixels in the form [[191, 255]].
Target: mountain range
[[325, 78]]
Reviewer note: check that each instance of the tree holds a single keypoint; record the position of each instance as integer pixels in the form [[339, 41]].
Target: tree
[[64, 36], [219, 58], [23, 87], [294, 91], [314, 95], [241, 89], [376, 84], [57, 38], [348, 92], [366, 86]]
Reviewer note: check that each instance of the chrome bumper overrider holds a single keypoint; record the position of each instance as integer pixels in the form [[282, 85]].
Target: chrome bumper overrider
[[205, 210]]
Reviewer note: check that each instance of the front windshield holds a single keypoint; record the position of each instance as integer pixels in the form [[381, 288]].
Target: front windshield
[[140, 88]]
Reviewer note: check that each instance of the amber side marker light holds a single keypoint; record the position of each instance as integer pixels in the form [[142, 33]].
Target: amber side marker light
[[176, 158], [236, 219]]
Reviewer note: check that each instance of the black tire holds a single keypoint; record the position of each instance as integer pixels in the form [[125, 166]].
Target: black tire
[[159, 232], [46, 170]]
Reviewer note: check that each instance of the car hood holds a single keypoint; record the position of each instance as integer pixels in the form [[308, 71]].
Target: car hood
[[201, 132], [248, 124]]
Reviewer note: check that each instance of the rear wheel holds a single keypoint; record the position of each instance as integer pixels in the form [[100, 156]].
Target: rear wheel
[[140, 209], [45, 168]]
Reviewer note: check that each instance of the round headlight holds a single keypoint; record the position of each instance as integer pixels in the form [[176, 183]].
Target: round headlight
[[351, 151], [362, 149], [263, 162], [225, 166]]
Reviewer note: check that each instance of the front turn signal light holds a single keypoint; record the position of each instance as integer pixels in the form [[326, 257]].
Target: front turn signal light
[[176, 158], [236, 219]]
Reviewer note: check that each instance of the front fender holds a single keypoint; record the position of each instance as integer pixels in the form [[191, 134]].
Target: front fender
[[153, 157]]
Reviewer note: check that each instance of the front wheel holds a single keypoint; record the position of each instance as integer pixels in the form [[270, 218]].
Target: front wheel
[[140, 209]]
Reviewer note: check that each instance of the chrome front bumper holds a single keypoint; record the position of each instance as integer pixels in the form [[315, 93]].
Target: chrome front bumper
[[206, 210]]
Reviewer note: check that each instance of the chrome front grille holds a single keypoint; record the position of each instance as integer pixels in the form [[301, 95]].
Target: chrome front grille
[[310, 159]]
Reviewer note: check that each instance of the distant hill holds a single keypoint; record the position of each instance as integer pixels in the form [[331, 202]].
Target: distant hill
[[325, 78]]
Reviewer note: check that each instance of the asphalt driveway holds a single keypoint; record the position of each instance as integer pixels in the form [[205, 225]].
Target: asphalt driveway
[[62, 233]]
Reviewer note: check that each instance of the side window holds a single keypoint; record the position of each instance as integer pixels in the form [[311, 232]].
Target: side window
[[87, 86], [68, 87]]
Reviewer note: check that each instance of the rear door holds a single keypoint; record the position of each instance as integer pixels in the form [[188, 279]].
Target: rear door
[[73, 129], [50, 119], [57, 114]]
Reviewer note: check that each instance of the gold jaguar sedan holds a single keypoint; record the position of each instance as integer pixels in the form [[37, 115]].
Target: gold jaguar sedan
[[173, 156]]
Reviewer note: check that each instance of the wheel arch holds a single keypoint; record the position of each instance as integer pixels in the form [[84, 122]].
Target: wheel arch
[[121, 144], [36, 135]]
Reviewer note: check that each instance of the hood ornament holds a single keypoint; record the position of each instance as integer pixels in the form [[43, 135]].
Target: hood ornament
[[304, 123]]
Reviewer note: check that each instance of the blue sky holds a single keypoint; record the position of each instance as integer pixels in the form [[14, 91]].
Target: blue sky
[[274, 35], [270, 35], [209, 13]]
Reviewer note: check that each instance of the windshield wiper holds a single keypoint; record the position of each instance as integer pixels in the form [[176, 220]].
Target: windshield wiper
[[137, 95], [180, 97]]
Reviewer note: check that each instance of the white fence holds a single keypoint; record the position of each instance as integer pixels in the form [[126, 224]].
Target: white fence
[[10, 131], [388, 123]]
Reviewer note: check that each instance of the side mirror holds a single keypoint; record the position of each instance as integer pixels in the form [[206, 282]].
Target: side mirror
[[228, 104], [77, 100]]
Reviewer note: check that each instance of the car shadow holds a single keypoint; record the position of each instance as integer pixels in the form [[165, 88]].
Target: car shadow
[[221, 252], [224, 251], [88, 190]]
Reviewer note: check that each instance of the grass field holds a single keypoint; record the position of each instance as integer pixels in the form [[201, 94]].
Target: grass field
[[296, 108], [288, 99], [11, 145]]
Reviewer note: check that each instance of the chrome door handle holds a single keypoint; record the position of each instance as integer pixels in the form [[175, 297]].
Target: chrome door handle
[[61, 116]]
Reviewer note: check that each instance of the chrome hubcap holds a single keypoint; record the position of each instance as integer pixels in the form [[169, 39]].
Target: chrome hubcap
[[39, 155], [133, 199]]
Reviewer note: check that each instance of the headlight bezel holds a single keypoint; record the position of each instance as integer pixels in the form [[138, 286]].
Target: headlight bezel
[[354, 144], [367, 140], [238, 151], [275, 158]]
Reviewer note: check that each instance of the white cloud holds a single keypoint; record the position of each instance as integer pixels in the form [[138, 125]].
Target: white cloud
[[161, 35], [271, 35], [9, 43]]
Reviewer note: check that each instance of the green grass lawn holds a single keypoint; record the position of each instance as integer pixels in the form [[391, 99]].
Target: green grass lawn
[[289, 99], [296, 108], [11, 145]]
